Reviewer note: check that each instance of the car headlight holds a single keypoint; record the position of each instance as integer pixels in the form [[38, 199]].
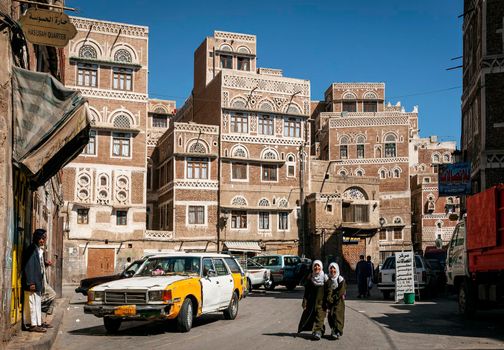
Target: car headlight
[[156, 295], [95, 296]]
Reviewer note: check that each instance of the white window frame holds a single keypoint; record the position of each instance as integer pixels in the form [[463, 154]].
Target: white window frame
[[277, 173], [95, 154], [246, 171], [112, 146], [279, 221], [205, 213], [259, 220], [196, 178]]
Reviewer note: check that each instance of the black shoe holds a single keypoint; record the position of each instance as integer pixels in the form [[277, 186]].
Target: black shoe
[[317, 336]]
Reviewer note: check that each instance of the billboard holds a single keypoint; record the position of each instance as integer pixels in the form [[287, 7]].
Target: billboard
[[454, 179]]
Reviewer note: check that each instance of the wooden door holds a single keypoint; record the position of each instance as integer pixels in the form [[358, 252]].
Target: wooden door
[[100, 262]]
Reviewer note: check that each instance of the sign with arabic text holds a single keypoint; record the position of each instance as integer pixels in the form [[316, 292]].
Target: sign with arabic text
[[454, 179], [49, 28], [405, 278]]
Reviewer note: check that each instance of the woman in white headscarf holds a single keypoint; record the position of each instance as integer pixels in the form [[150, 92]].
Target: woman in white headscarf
[[335, 289], [314, 314]]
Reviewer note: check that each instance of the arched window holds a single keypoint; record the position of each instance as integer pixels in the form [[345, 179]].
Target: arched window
[[446, 158], [360, 140], [239, 201], [269, 154], [122, 122], [342, 172], [266, 106], [197, 147], [239, 152], [390, 146], [396, 173], [359, 173], [383, 174], [282, 203], [123, 55], [291, 165], [344, 147], [435, 158], [264, 203], [398, 220], [349, 103], [87, 51]]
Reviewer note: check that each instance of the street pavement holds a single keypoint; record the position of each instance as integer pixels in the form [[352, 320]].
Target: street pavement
[[269, 320]]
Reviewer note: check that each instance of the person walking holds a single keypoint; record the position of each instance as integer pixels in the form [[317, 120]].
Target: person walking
[[314, 314], [33, 282], [370, 280], [335, 290], [362, 271]]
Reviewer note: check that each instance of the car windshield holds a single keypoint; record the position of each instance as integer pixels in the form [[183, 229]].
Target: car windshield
[[133, 267], [173, 265], [251, 264], [267, 260]]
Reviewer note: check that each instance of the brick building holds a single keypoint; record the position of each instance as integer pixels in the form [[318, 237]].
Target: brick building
[[105, 187], [236, 151], [363, 137], [430, 213], [482, 143]]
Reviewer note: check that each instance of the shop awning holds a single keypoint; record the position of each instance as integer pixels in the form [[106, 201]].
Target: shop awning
[[246, 246], [51, 124]]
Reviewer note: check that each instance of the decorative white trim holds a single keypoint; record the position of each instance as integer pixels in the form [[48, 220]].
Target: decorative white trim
[[110, 28], [266, 140], [159, 235], [196, 184], [110, 94], [377, 161], [337, 121]]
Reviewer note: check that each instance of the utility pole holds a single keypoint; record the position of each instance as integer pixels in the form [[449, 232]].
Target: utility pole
[[302, 154]]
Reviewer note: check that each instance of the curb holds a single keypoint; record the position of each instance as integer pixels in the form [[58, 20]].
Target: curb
[[47, 340]]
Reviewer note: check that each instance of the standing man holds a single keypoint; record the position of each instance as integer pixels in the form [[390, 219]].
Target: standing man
[[362, 271], [33, 282], [371, 273]]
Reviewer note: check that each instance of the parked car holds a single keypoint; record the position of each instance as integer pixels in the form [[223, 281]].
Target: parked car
[[257, 275], [88, 283], [286, 270], [178, 286], [423, 277]]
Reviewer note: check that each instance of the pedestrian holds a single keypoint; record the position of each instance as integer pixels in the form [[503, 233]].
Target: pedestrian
[[48, 294], [362, 272], [33, 282], [335, 291], [370, 278], [314, 314]]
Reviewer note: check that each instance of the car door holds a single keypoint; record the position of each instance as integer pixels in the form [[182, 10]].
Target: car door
[[225, 282], [210, 286], [456, 253]]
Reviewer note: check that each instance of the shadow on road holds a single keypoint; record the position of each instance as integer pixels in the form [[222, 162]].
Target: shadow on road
[[145, 328], [429, 319], [278, 293], [292, 335]]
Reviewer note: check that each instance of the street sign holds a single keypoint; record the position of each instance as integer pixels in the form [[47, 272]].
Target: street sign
[[49, 28], [454, 179], [405, 279]]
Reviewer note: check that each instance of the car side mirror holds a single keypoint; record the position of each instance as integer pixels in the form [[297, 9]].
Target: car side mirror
[[211, 273], [128, 274]]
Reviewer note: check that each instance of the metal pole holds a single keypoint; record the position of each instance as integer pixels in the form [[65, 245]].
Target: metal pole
[[301, 200]]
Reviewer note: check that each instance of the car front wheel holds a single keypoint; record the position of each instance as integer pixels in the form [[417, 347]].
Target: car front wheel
[[232, 310], [185, 316], [112, 324]]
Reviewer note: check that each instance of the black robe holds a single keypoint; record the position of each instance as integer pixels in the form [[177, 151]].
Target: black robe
[[313, 315], [32, 270]]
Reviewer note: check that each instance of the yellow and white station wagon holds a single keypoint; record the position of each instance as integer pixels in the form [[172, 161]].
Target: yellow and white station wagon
[[178, 286]]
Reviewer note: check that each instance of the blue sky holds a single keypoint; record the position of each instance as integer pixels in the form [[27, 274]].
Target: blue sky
[[406, 44]]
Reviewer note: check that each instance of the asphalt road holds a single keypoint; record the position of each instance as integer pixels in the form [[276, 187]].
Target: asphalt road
[[269, 320]]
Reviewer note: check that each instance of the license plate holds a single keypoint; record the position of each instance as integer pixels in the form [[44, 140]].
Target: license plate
[[125, 310]]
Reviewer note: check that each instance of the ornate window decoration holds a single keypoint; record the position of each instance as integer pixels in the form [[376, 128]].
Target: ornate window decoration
[[226, 47], [239, 200], [349, 96], [446, 158], [122, 121], [291, 165], [436, 158], [344, 141], [283, 203], [396, 172], [439, 224], [390, 146], [197, 147], [382, 173], [123, 55], [293, 109], [240, 152], [398, 220], [269, 154], [355, 193], [264, 203], [370, 95], [122, 189], [244, 49], [88, 52], [359, 172], [239, 103], [266, 106]]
